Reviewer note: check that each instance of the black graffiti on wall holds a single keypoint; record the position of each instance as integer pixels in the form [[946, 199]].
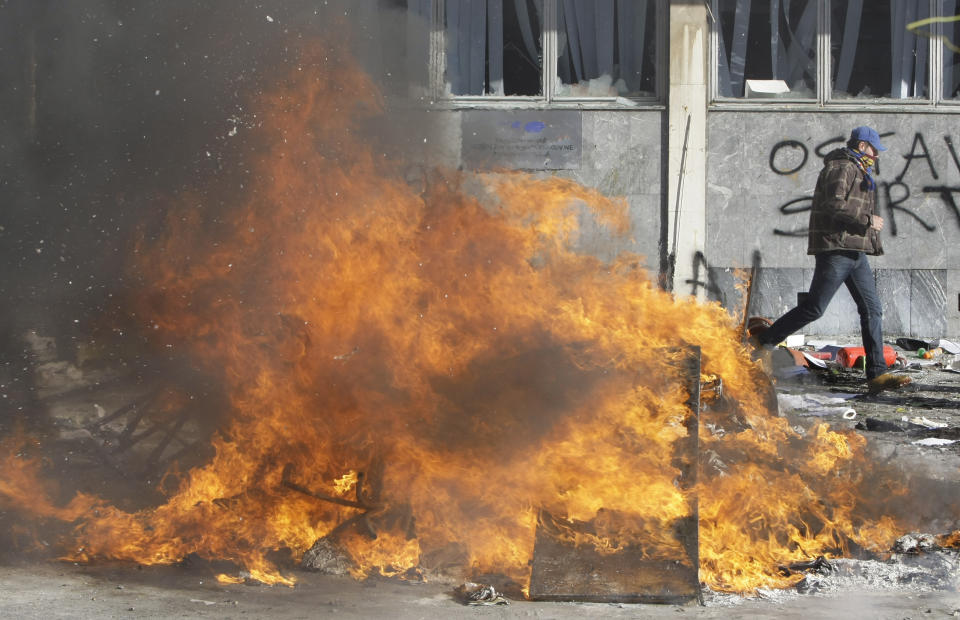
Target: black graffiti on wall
[[790, 156], [705, 277]]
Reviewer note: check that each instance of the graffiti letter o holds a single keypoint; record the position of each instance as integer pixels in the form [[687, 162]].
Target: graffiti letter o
[[791, 143]]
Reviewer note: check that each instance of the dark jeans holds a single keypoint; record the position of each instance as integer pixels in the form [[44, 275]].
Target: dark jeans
[[833, 269]]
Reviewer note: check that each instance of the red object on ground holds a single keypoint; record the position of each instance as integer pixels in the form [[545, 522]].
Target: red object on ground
[[848, 356]]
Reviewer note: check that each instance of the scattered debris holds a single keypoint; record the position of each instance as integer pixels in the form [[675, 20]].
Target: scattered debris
[[327, 558], [912, 344], [479, 594], [950, 347], [819, 565], [814, 405], [923, 572], [817, 359], [795, 340], [924, 422], [934, 441], [850, 357], [915, 543], [880, 426]]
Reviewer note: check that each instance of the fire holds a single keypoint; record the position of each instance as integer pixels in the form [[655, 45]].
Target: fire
[[449, 343], [22, 483], [951, 540], [346, 482]]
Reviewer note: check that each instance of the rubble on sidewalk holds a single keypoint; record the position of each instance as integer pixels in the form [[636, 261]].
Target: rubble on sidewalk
[[471, 593]]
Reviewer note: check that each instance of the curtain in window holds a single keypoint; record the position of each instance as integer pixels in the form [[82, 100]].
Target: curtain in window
[[419, 7], [602, 40], [735, 65], [878, 56], [466, 46], [416, 53], [743, 52], [951, 59], [485, 37], [526, 26], [908, 51], [632, 38], [792, 52], [851, 28], [590, 55]]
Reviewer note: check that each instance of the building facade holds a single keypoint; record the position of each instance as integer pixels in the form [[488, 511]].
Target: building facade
[[711, 119]]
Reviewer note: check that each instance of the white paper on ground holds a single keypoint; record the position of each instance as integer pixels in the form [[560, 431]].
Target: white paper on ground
[[813, 360], [950, 347], [794, 340], [815, 405], [923, 421], [934, 441]]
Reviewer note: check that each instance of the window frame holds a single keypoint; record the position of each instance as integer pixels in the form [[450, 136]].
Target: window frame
[[824, 86], [548, 72]]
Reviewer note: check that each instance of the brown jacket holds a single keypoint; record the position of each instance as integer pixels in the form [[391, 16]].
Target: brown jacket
[[842, 206]]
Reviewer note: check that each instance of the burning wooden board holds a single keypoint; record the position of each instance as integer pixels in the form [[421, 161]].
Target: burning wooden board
[[565, 570]]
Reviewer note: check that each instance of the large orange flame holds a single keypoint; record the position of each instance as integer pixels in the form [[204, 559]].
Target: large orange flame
[[452, 344]]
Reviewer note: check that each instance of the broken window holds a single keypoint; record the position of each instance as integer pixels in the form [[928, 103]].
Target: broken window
[[494, 47], [836, 49], [598, 48], [950, 40], [606, 48], [873, 54], [766, 48]]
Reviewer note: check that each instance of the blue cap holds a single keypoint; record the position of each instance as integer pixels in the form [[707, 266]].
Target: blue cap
[[869, 135]]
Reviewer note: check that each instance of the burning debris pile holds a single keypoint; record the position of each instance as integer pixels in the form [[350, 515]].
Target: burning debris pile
[[417, 372], [923, 561]]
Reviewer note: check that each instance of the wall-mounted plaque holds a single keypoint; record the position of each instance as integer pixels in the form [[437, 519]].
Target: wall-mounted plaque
[[521, 139]]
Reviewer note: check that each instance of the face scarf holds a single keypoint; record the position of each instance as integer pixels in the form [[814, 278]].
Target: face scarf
[[865, 163]]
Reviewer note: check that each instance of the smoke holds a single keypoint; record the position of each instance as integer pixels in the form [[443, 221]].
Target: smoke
[[113, 113], [133, 116], [111, 108]]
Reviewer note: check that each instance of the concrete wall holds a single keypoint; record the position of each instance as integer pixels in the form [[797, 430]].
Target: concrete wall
[[761, 170], [621, 155]]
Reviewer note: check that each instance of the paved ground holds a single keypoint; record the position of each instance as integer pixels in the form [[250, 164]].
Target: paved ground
[[893, 423], [914, 424], [44, 591]]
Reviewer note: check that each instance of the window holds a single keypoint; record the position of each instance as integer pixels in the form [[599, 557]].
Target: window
[[837, 51], [872, 54], [767, 48], [606, 49], [493, 47], [546, 50], [950, 40]]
